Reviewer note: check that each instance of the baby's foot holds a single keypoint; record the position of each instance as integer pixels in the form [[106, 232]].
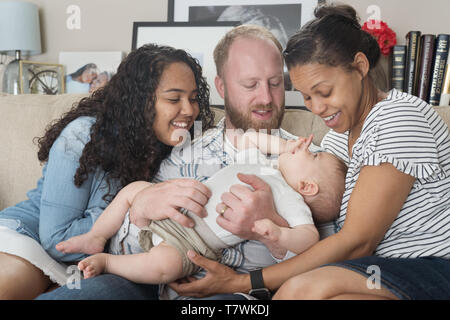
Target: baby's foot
[[85, 243], [93, 265]]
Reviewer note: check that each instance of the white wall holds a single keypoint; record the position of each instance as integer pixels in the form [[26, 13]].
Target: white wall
[[402, 16], [106, 25]]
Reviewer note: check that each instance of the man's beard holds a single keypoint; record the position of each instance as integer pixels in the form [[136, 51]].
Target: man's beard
[[244, 121]]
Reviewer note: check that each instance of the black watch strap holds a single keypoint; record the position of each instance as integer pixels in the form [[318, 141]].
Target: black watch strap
[[258, 290]]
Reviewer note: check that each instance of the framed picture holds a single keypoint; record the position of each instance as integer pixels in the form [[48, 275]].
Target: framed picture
[[88, 71], [41, 78], [282, 17], [197, 38]]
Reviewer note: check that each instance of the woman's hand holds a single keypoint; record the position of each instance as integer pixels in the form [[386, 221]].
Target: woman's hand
[[218, 279], [163, 200], [244, 206]]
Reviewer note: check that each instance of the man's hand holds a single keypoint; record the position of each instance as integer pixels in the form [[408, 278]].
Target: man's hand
[[218, 279], [244, 206], [163, 200]]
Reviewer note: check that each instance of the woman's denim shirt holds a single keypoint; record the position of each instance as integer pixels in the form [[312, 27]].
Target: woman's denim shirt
[[64, 209]]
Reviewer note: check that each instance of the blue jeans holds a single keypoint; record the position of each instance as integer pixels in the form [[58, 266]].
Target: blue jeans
[[409, 279], [112, 287], [104, 287]]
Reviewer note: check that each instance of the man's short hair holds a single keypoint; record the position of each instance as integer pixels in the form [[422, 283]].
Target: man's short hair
[[245, 31]]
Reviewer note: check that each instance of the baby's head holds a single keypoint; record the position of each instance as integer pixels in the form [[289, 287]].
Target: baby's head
[[318, 177]]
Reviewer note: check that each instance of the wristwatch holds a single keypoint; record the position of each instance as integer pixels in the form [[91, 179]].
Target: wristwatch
[[258, 290]]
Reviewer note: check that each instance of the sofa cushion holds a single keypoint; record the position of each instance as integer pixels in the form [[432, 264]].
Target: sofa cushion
[[23, 118], [444, 112]]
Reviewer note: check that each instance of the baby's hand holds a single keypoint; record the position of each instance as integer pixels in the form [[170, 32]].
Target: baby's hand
[[292, 145], [267, 229]]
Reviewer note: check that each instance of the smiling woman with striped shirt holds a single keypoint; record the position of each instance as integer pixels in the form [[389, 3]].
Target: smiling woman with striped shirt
[[394, 223], [395, 212]]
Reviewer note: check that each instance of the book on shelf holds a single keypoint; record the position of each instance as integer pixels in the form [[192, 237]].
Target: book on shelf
[[425, 63], [422, 67], [398, 65], [412, 52], [438, 69], [445, 93]]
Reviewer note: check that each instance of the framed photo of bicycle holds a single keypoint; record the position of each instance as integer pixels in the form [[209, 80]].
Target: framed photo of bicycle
[[41, 77]]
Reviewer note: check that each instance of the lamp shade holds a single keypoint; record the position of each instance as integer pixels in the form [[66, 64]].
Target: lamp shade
[[19, 28]]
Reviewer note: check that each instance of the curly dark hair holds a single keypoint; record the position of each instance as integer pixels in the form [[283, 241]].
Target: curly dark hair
[[122, 140]]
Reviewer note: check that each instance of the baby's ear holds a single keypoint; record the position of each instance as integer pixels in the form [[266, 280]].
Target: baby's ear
[[307, 188]]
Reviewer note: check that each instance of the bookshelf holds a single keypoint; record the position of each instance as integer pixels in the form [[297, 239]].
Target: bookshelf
[[402, 16], [421, 67]]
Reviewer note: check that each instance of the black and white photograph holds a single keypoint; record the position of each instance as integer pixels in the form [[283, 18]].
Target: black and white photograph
[[282, 20], [282, 17]]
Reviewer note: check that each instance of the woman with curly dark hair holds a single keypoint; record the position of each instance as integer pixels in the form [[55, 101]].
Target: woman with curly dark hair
[[118, 135]]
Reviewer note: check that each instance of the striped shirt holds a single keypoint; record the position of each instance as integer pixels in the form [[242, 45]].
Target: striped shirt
[[405, 131]]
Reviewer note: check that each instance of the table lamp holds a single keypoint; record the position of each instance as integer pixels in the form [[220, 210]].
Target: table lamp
[[19, 34]]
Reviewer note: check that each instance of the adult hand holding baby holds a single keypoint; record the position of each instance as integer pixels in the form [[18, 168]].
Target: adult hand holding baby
[[245, 206], [163, 200]]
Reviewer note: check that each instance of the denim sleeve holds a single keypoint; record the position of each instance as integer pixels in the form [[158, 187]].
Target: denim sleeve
[[67, 210]]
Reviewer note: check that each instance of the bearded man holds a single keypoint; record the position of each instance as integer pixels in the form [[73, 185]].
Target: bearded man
[[250, 79]]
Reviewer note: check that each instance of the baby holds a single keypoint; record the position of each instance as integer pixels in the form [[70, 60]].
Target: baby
[[303, 183]]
